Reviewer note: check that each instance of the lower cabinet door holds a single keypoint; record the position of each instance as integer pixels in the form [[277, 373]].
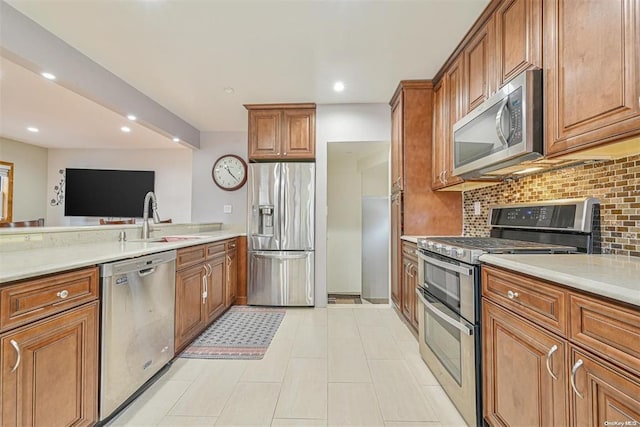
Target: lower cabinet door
[[216, 287], [601, 394], [524, 375], [190, 302], [232, 277], [49, 371]]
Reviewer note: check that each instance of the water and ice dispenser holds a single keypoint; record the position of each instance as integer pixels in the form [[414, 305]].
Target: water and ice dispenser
[[265, 222]]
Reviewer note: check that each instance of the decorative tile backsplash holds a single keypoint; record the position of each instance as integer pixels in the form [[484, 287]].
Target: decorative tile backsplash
[[616, 183]]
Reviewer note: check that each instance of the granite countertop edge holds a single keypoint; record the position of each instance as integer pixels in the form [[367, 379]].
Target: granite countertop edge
[[30, 263], [611, 276], [412, 239]]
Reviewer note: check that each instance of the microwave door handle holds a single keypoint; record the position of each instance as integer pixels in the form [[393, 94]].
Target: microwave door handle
[[462, 327], [504, 140]]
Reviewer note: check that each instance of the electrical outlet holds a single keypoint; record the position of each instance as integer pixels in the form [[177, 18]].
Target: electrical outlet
[[477, 208], [227, 209]]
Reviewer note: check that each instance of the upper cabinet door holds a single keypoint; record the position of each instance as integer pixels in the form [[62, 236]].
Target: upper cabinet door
[[456, 109], [264, 133], [478, 58], [440, 138], [396, 146], [299, 134], [518, 39], [591, 60]]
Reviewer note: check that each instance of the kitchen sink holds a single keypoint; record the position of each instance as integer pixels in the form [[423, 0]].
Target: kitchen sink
[[167, 239]]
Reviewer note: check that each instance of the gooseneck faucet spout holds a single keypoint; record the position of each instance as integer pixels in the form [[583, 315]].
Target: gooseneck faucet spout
[[149, 197]]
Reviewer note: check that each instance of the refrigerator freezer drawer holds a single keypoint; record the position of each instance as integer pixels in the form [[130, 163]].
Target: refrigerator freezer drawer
[[281, 278]]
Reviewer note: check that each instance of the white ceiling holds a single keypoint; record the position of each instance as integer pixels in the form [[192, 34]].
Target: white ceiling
[[184, 53], [64, 119]]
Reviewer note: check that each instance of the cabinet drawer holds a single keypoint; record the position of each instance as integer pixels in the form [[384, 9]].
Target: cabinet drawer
[[231, 244], [608, 329], [534, 299], [190, 256], [409, 249], [215, 249], [34, 299]]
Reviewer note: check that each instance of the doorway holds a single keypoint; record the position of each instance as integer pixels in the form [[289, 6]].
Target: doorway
[[358, 222]]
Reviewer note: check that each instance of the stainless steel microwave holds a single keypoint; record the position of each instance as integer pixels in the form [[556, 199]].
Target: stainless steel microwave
[[503, 131]]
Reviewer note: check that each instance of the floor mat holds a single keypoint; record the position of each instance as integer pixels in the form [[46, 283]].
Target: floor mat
[[243, 332], [344, 299]]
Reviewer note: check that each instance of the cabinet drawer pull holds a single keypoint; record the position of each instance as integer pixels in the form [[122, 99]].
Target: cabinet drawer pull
[[63, 294], [18, 356], [574, 370], [552, 350], [512, 295]]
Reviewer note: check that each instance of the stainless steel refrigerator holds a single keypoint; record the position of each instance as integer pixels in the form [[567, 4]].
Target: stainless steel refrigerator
[[280, 234]]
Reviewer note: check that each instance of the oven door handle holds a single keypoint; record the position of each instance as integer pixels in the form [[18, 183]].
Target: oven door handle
[[462, 327], [446, 265]]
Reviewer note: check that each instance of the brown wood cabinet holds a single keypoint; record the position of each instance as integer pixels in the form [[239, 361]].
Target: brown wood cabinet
[[49, 371], [591, 73], [479, 58], [206, 285], [451, 107], [190, 316], [231, 265], [282, 132], [241, 284], [515, 374], [556, 356], [409, 283], [415, 208], [518, 40]]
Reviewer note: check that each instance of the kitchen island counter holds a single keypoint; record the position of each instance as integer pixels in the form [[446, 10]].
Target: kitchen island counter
[[613, 276], [23, 264]]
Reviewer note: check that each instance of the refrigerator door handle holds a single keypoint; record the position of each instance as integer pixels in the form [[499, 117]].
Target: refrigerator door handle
[[271, 255]]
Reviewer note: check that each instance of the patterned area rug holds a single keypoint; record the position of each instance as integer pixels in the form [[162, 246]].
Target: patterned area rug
[[243, 332]]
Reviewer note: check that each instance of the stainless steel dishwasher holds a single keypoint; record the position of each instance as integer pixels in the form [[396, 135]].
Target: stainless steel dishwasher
[[138, 298]]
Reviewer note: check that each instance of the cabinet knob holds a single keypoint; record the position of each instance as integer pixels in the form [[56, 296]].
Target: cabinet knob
[[63, 294], [512, 295]]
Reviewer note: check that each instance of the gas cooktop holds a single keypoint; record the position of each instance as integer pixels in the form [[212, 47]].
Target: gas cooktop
[[553, 226], [468, 249]]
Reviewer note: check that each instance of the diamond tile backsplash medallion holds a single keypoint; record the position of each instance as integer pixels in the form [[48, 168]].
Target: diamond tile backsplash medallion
[[616, 183]]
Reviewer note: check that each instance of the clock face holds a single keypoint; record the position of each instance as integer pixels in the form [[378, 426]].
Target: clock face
[[229, 172]]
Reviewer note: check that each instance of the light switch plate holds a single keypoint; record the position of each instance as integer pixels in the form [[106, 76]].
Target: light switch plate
[[227, 209]]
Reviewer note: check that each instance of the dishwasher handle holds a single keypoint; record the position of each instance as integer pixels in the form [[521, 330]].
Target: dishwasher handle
[[141, 265], [146, 272]]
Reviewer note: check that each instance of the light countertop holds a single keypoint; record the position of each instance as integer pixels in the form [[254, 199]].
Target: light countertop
[[27, 263], [613, 276]]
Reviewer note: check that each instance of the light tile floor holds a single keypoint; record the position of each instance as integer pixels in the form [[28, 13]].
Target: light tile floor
[[345, 365]]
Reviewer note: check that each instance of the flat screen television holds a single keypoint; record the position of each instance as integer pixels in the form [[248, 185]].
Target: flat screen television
[[106, 193]]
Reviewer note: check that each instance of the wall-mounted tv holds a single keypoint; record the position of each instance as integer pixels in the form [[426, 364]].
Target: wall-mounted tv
[[106, 193]]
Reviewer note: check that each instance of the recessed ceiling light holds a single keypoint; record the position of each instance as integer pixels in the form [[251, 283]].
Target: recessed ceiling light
[[338, 86], [176, 139], [48, 76], [125, 129], [229, 90], [132, 117], [33, 129]]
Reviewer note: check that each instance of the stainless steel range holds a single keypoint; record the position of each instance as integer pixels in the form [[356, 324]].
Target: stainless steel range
[[449, 288]]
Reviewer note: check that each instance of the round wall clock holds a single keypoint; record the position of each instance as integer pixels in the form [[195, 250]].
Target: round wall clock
[[229, 172]]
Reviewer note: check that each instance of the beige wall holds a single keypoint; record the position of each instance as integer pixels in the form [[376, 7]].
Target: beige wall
[[30, 197], [363, 172]]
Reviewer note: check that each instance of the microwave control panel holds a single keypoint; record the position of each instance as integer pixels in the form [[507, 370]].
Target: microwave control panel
[[515, 116]]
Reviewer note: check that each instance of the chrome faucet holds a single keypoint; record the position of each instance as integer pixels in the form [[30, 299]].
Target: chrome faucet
[[149, 197]]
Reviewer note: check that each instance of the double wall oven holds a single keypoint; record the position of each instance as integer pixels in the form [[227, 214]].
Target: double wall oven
[[449, 288]]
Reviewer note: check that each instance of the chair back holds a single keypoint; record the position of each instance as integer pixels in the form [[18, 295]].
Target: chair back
[[32, 223], [117, 222]]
